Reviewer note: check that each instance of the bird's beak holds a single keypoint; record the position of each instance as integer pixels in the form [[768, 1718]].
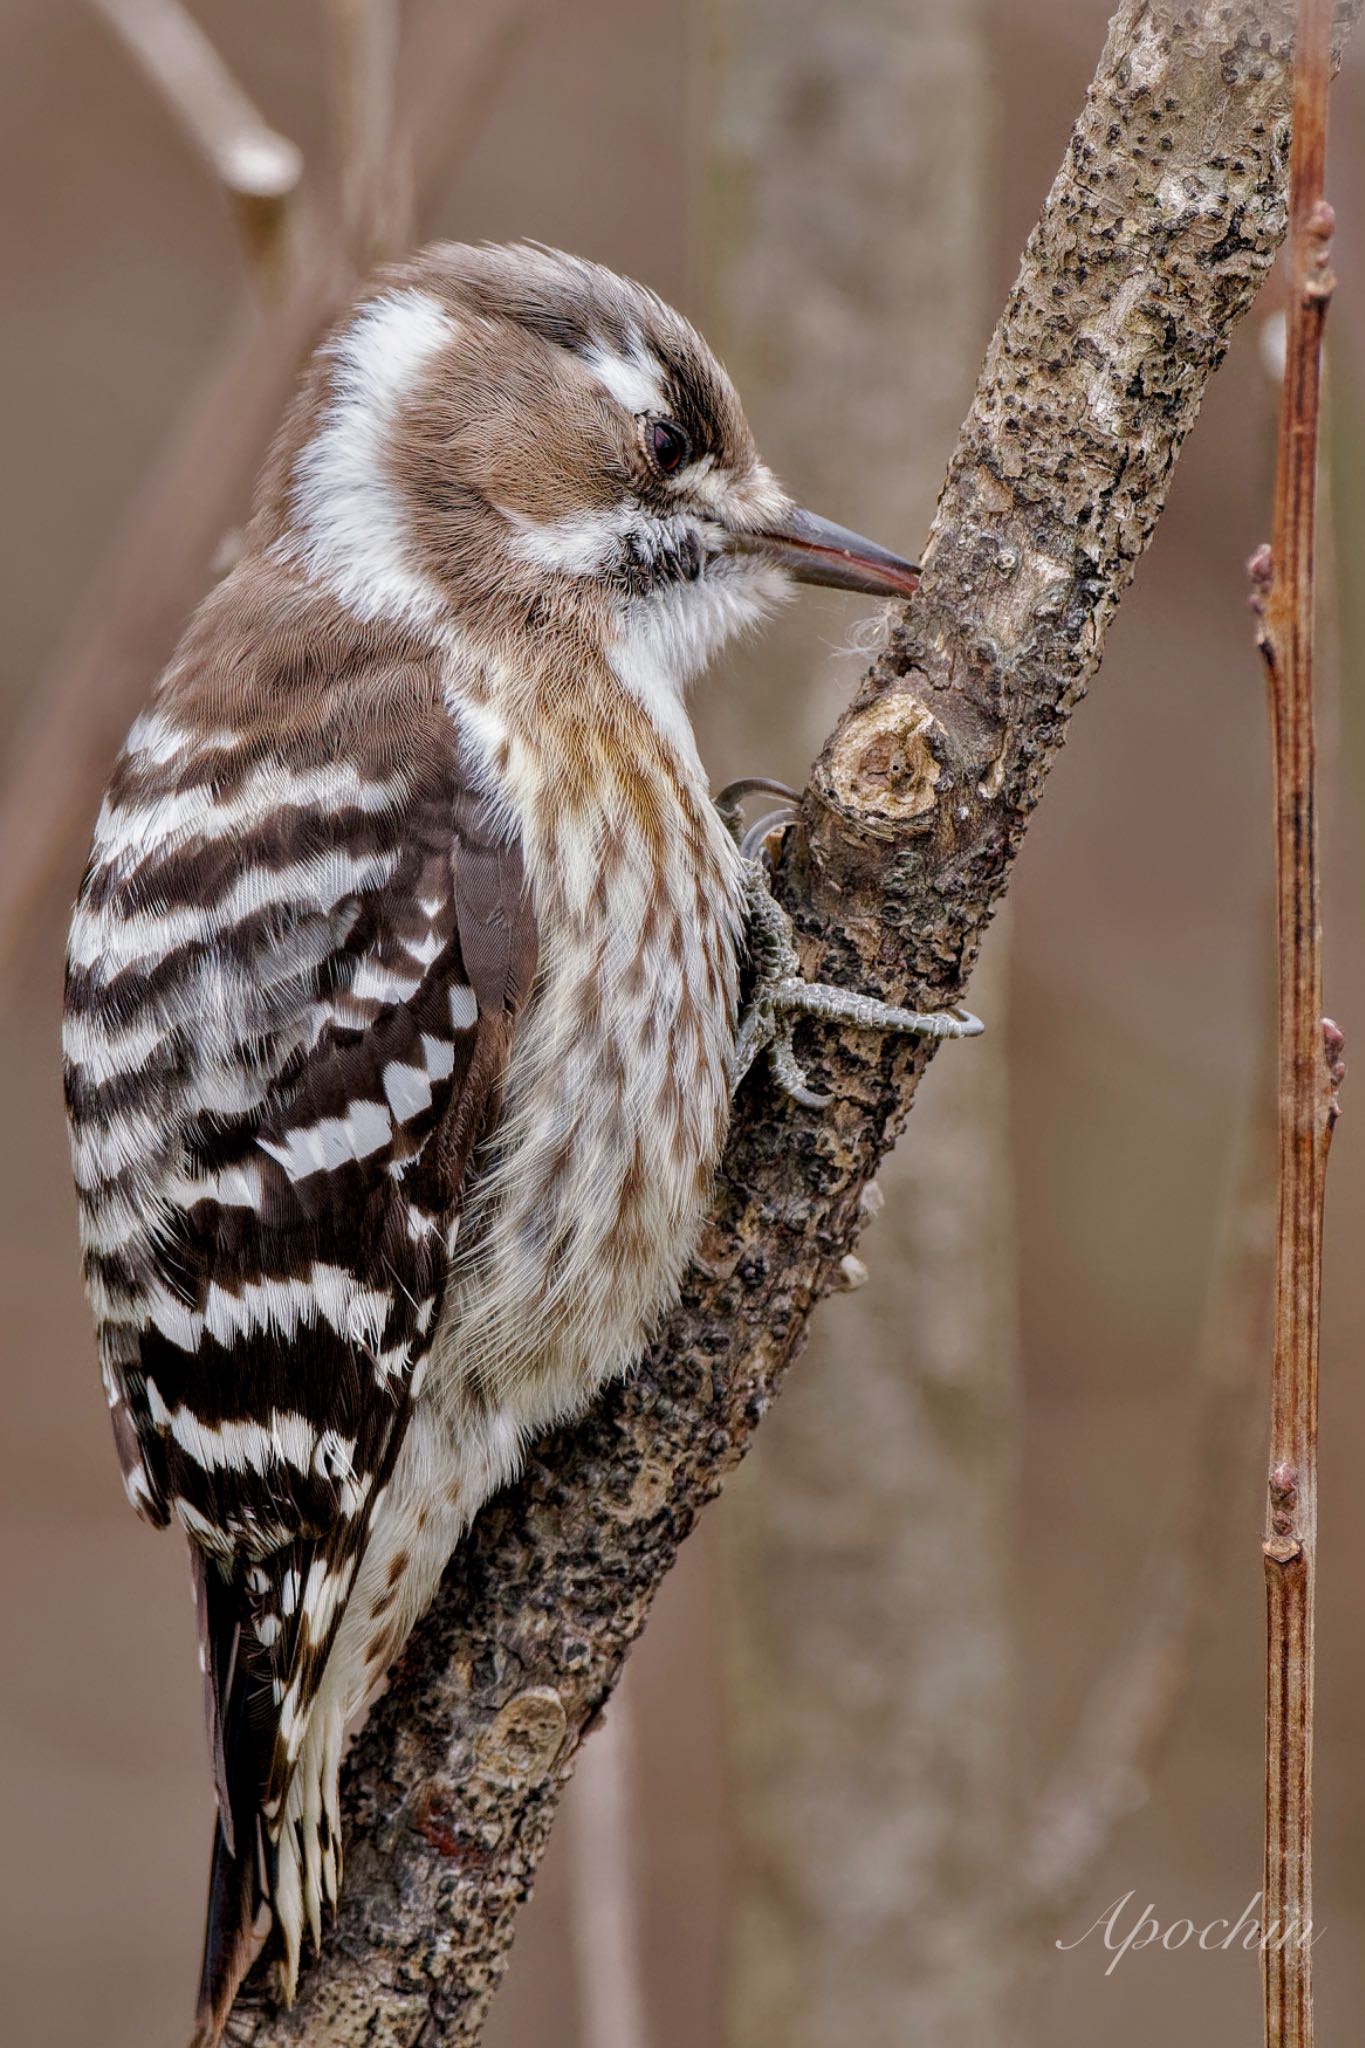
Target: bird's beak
[[815, 550]]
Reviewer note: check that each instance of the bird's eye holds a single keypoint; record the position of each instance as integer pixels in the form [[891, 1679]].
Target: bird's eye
[[668, 445]]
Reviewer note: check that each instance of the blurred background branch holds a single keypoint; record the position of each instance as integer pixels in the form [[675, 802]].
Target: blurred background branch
[[1103, 1773], [258, 168], [868, 1549], [375, 168], [163, 556], [604, 1847]]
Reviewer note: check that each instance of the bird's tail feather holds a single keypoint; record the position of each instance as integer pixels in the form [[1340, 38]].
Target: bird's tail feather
[[277, 1845], [237, 1893], [240, 1873]]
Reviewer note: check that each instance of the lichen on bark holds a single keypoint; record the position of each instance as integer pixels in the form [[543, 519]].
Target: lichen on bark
[[1162, 223]]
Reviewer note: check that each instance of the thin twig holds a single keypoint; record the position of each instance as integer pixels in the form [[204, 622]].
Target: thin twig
[[1104, 1771], [1309, 1071], [258, 168]]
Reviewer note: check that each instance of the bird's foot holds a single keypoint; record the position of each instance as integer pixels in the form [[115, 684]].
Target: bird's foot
[[781, 994]]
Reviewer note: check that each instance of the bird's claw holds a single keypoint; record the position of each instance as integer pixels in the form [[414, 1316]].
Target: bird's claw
[[781, 994], [750, 839]]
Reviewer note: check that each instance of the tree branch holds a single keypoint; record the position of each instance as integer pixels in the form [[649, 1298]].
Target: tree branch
[[1310, 1072], [1160, 227]]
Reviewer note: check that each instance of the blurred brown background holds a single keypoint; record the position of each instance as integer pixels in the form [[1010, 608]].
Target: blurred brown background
[[1129, 1002]]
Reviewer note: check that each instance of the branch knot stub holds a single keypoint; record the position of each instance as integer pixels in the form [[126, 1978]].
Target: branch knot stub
[[883, 772], [1319, 228], [1284, 1486], [520, 1747], [1334, 1062]]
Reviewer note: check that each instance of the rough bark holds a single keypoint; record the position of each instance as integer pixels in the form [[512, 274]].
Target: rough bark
[[869, 1560], [1165, 216]]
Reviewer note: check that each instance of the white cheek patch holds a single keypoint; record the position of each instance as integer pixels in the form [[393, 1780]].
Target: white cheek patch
[[579, 544]]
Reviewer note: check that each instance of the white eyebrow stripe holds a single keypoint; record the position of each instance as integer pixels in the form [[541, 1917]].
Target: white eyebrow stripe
[[631, 379]]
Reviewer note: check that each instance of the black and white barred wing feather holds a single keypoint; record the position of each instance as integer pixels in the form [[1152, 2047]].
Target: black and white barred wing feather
[[290, 995]]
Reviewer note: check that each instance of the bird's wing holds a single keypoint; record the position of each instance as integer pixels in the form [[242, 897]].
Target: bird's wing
[[292, 985]]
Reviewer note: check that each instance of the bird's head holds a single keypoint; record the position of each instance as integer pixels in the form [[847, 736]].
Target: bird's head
[[500, 438]]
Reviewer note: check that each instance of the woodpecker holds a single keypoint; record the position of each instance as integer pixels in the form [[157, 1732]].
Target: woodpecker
[[402, 1004]]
